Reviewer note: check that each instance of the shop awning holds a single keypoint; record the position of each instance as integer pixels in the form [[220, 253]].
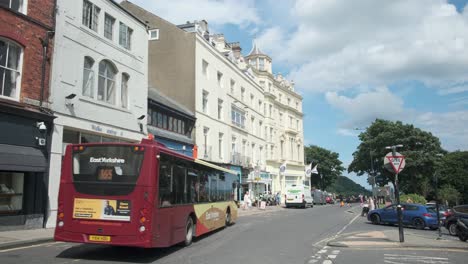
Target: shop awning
[[20, 158]]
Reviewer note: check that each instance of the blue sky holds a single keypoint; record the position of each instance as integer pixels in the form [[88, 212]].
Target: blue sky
[[354, 61]]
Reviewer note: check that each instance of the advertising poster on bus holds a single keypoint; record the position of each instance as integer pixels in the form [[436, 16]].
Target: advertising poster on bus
[[101, 209]]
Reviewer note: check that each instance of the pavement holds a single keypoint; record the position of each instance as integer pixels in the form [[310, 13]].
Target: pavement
[[390, 239], [19, 238]]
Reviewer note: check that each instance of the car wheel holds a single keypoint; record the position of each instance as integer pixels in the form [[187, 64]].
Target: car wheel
[[452, 228], [462, 236], [189, 231], [375, 219], [418, 223]]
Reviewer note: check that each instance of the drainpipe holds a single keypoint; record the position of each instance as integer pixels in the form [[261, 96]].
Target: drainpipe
[[45, 46]]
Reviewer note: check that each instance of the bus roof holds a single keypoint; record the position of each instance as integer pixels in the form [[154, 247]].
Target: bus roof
[[202, 162]]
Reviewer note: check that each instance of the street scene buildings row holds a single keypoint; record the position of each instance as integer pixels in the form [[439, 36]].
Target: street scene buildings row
[[99, 71]]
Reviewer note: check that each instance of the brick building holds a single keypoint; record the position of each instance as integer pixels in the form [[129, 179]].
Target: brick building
[[26, 43]]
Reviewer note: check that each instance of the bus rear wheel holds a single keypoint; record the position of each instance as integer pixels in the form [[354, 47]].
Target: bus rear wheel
[[189, 231], [228, 218]]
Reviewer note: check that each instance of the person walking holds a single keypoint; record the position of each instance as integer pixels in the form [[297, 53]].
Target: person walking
[[371, 204]]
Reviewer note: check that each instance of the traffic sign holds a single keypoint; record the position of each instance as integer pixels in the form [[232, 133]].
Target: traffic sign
[[394, 163]]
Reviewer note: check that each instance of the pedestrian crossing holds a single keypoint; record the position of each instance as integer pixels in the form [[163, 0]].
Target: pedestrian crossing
[[326, 255], [410, 259]]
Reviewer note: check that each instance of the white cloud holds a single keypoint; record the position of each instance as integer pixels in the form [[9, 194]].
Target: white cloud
[[339, 44], [363, 109], [216, 12]]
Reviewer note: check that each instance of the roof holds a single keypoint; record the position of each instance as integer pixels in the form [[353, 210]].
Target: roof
[[256, 51], [157, 132], [161, 99]]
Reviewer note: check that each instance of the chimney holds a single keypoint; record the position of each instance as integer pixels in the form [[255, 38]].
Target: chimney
[[236, 49]]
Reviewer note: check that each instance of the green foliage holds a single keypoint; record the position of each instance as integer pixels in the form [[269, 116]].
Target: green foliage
[[453, 171], [449, 194], [419, 148], [347, 187], [415, 198], [329, 166]]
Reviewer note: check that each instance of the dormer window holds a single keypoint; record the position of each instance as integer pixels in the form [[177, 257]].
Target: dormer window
[[261, 64]]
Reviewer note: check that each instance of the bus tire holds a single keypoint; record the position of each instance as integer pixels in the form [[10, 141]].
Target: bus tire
[[228, 217], [189, 231]]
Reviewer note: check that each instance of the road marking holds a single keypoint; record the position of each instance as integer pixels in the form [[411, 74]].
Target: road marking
[[327, 261], [393, 258], [335, 252], [32, 246], [346, 226], [332, 256], [322, 251]]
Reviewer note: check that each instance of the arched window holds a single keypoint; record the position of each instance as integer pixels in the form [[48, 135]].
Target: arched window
[[124, 90], [88, 77], [10, 68], [106, 84]]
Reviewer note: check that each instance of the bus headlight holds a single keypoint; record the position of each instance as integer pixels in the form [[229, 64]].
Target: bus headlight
[[142, 229], [60, 224]]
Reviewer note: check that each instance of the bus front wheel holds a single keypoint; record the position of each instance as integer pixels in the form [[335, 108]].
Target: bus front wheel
[[189, 230]]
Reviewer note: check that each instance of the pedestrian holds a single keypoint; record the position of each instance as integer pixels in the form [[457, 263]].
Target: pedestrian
[[348, 201], [371, 204], [247, 201], [278, 198]]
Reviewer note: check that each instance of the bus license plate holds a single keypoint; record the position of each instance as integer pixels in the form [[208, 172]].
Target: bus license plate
[[100, 238]]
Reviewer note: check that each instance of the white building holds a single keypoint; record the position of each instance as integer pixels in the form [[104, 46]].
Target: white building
[[283, 127], [99, 79], [236, 105]]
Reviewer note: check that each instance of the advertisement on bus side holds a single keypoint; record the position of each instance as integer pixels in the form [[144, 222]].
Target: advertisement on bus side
[[102, 209]]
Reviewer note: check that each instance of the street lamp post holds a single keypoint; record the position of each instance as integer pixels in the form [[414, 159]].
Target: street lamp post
[[397, 196], [437, 199]]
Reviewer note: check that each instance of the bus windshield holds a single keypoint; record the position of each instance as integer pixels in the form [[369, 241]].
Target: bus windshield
[[106, 169]]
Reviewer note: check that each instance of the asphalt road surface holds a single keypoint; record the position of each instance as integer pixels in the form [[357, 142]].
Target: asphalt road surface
[[287, 236]]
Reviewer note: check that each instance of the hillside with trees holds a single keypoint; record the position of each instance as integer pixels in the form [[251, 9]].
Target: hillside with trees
[[347, 187]]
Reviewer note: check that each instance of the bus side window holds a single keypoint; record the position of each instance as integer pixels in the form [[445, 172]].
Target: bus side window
[[165, 184], [192, 186]]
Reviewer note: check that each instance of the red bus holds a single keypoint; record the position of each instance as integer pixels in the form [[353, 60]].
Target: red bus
[[141, 195]]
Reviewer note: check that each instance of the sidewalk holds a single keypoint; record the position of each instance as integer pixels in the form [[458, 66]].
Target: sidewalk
[[255, 210], [11, 239], [390, 239]]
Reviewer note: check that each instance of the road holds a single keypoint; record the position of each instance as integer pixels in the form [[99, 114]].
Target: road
[[287, 236]]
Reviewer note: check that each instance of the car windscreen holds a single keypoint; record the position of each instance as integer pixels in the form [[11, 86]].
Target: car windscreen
[[106, 169]]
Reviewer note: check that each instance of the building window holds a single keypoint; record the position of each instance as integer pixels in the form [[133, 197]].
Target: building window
[[16, 5], [297, 105], [261, 65], [220, 79], [106, 84], [205, 102], [290, 122], [237, 117], [280, 118], [252, 121], [220, 145], [270, 110], [90, 15], [109, 26], [262, 84], [253, 63], [11, 192], [88, 77], [220, 109], [252, 100], [124, 90], [125, 37], [206, 130], [153, 34], [282, 148], [233, 84], [242, 93], [271, 134], [289, 101], [260, 124], [297, 124], [205, 68], [11, 56], [280, 97]]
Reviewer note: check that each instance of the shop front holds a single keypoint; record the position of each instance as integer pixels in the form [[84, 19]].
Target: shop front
[[24, 159]]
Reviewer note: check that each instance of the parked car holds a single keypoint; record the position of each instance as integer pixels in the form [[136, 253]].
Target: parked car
[[451, 221], [416, 215]]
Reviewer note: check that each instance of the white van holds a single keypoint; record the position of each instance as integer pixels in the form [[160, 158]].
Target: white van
[[298, 196]]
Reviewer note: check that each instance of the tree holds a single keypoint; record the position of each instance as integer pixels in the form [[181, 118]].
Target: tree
[[449, 194], [329, 166], [419, 148], [453, 171]]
